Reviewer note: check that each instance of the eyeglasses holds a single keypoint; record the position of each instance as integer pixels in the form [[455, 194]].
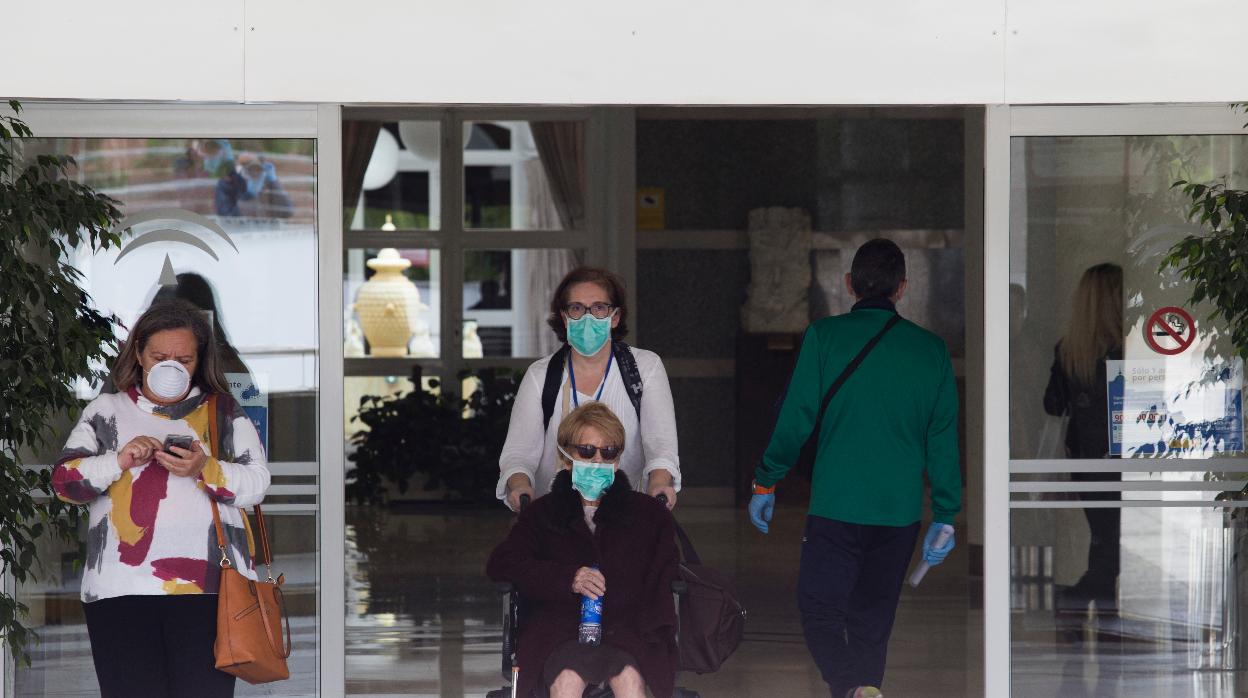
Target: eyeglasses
[[587, 451], [598, 310]]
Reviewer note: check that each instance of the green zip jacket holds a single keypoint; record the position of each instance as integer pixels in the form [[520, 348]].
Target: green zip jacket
[[893, 420]]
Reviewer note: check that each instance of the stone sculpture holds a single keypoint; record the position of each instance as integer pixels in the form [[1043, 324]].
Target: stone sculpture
[[778, 297]]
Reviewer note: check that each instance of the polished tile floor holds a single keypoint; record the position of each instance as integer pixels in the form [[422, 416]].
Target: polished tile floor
[[424, 621]]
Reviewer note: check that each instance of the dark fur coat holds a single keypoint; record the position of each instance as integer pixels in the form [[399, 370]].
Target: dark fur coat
[[633, 546]]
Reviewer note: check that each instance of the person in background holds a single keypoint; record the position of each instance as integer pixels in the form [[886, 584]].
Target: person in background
[[593, 535], [252, 189], [894, 420], [1077, 389], [152, 565], [588, 314], [198, 291], [211, 156]]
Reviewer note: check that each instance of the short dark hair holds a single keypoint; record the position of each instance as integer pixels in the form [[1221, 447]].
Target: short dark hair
[[602, 278], [878, 269]]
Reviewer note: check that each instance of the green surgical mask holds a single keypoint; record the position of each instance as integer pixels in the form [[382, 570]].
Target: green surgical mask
[[591, 479], [588, 334]]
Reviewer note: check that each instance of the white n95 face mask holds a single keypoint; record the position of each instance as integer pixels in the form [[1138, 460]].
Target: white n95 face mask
[[168, 380]]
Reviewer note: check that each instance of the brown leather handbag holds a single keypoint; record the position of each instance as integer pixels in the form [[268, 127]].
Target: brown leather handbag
[[250, 614], [251, 617]]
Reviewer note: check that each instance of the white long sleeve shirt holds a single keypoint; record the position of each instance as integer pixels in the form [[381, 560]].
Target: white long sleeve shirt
[[151, 532], [649, 445]]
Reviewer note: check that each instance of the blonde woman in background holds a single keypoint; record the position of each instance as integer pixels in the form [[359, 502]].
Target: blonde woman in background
[[1077, 389]]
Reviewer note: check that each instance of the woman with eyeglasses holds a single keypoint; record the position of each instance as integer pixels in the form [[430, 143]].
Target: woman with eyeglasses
[[592, 536], [588, 314]]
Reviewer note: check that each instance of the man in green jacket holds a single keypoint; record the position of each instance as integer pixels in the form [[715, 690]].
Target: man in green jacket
[[892, 420]]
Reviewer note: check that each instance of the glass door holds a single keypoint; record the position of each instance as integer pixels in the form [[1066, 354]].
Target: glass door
[[221, 210], [1123, 409]]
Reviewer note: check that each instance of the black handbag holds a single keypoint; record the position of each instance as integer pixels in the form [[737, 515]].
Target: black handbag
[[712, 620]]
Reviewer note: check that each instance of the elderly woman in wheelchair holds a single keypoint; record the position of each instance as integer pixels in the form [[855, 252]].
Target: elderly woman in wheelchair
[[592, 535]]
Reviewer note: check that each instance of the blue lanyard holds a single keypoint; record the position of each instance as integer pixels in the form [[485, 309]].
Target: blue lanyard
[[572, 377]]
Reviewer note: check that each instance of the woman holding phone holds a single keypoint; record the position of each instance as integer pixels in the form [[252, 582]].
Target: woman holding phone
[[146, 460]]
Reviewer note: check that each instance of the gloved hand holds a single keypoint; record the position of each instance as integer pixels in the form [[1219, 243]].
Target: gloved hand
[[933, 555], [270, 173], [761, 508]]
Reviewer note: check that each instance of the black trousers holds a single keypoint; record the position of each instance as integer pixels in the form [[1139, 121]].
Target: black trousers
[[847, 591], [1100, 582], [156, 647]]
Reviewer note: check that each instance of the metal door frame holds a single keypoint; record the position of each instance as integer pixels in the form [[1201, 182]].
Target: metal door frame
[[1003, 122]]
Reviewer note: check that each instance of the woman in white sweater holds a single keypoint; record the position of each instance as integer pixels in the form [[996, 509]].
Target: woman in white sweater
[[146, 460], [588, 314]]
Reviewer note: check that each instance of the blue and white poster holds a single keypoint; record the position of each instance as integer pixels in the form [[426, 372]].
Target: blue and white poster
[[1116, 390], [1165, 409], [255, 402]]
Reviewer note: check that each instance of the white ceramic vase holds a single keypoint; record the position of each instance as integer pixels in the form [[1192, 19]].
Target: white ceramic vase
[[387, 305]]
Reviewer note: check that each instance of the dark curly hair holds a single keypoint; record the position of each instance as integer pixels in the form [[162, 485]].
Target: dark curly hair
[[607, 281]]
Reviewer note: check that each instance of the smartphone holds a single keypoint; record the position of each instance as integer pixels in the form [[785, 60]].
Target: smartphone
[[179, 441]]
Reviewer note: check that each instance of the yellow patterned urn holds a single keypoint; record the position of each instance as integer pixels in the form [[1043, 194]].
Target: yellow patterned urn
[[387, 305]]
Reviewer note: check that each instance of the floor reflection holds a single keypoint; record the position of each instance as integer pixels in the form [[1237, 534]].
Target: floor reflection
[[422, 619], [1109, 658]]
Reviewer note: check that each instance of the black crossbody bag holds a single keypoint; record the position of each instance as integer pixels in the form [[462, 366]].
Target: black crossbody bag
[[806, 458]]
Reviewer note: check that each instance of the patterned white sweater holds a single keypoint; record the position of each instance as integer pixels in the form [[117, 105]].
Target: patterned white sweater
[[151, 532]]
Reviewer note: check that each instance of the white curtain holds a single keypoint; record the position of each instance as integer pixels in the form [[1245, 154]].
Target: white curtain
[[545, 268]]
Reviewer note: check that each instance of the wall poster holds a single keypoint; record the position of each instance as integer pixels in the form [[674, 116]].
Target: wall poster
[[1164, 409]]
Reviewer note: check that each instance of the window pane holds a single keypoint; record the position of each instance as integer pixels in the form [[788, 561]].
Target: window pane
[[1129, 586], [1169, 625], [397, 185], [507, 299], [392, 302], [230, 226], [1093, 217], [522, 175]]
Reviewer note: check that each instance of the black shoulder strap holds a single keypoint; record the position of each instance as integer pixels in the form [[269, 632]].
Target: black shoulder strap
[[554, 379], [550, 389], [686, 547], [629, 373], [849, 371]]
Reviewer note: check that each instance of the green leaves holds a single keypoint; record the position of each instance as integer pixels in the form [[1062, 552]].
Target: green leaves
[[452, 444], [50, 336], [1215, 262]]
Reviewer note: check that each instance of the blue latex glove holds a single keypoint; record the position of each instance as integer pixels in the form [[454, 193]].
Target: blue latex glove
[[761, 508], [931, 554], [270, 173]]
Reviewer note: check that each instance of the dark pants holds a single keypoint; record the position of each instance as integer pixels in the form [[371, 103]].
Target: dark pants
[[1100, 582], [850, 580], [156, 647]]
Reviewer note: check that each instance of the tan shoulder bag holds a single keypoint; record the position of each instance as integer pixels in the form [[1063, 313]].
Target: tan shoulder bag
[[250, 614]]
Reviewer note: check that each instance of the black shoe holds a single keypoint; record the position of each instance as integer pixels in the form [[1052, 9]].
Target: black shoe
[[1071, 601]]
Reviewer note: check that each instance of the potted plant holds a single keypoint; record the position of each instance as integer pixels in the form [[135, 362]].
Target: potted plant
[[451, 443], [1215, 262], [50, 336]]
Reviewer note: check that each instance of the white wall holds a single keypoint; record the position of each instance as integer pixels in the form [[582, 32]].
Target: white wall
[[640, 52], [134, 49]]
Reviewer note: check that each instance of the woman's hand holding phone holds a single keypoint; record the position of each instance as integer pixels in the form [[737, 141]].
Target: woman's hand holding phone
[[183, 462]]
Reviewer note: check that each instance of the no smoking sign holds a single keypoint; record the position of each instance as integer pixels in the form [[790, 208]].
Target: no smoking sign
[[1170, 331]]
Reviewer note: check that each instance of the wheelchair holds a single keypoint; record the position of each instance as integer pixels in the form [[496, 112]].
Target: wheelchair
[[513, 615]]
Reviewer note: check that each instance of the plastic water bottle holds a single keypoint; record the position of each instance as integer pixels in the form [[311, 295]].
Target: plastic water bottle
[[590, 631]]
